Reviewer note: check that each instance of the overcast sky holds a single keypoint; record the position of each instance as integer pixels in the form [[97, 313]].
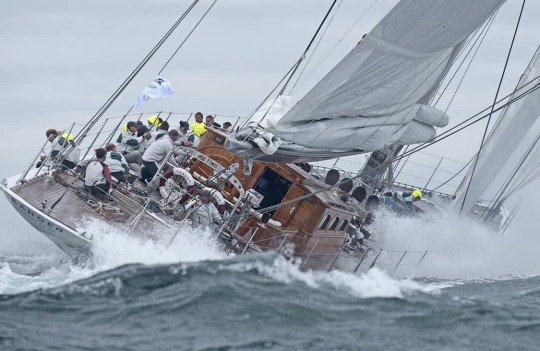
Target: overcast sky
[[61, 60]]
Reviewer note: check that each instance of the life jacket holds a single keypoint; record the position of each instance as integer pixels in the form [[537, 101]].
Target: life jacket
[[154, 121], [68, 136], [198, 128]]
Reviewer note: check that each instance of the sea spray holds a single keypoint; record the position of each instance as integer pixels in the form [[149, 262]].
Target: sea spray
[[457, 247], [112, 247]]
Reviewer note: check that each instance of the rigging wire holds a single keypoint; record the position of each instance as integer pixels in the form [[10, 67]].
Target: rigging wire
[[417, 149], [131, 76], [293, 69], [398, 107], [455, 129], [493, 106], [308, 47], [314, 69], [455, 175], [187, 37], [316, 46], [501, 194], [165, 65]]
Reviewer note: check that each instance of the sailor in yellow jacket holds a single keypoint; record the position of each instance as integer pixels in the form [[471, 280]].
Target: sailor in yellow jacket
[[198, 128], [153, 123]]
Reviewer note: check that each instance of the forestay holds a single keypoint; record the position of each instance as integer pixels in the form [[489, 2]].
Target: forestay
[[378, 93]]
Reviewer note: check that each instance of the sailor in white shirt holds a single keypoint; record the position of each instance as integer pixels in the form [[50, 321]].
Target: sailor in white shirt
[[129, 141], [61, 146], [160, 131], [97, 178], [205, 213], [117, 163], [156, 153]]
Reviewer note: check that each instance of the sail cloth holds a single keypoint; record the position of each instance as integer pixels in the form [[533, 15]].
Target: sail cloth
[[376, 95], [512, 126], [159, 88]]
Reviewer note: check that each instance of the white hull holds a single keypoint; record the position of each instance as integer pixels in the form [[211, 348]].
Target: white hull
[[66, 238]]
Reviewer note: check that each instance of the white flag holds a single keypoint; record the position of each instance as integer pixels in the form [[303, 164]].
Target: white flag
[[159, 88]]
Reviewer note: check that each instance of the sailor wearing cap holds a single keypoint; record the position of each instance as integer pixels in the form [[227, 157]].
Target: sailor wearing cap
[[205, 213]]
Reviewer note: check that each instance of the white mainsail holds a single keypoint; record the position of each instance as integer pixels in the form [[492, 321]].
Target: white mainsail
[[377, 94], [509, 132]]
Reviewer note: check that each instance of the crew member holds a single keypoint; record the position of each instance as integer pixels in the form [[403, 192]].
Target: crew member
[[118, 166], [198, 126], [416, 195], [184, 133], [154, 122], [98, 178], [210, 122], [156, 154], [61, 146], [205, 214], [226, 126]]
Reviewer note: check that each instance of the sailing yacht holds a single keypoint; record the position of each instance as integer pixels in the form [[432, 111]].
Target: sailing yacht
[[377, 99]]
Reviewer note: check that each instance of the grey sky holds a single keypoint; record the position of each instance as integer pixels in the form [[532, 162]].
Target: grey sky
[[62, 59]]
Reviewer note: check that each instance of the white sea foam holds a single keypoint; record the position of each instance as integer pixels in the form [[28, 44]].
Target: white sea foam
[[111, 248], [374, 283], [458, 248], [14, 283]]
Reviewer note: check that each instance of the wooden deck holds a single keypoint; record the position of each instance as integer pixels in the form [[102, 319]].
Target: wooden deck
[[63, 197]]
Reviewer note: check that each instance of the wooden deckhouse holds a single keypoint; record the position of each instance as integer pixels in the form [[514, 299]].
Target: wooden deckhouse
[[316, 225]]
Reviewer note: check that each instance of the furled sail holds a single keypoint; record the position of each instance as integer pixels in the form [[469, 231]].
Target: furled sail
[[377, 94], [509, 132]]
